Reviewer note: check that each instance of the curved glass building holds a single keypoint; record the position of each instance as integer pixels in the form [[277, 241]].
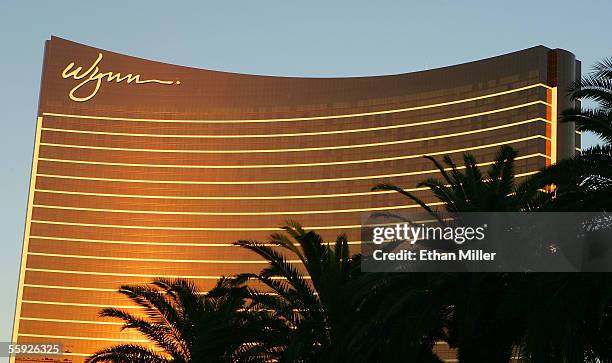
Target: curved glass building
[[143, 169]]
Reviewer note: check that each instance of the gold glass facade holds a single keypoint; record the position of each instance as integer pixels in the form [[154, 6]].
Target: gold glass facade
[[143, 169]]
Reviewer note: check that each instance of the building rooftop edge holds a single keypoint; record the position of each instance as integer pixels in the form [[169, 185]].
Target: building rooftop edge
[[510, 54]]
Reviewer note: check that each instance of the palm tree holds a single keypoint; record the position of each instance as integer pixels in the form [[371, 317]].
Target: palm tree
[[597, 87], [538, 317], [584, 182], [471, 311], [338, 313], [578, 306], [471, 191], [401, 318], [185, 325], [567, 316], [315, 309]]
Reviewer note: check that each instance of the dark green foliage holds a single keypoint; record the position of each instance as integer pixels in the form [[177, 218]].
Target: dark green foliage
[[314, 311], [467, 189], [186, 325]]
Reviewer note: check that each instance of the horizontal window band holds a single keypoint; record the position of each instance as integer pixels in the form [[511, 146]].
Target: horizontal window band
[[294, 119], [225, 198], [78, 288], [89, 257], [76, 354], [256, 151], [225, 214], [313, 196], [237, 229], [115, 290], [47, 320], [156, 243], [330, 211], [297, 181], [94, 339], [39, 302], [218, 229], [56, 287], [70, 337], [347, 162], [197, 277], [332, 132], [306, 212], [168, 244]]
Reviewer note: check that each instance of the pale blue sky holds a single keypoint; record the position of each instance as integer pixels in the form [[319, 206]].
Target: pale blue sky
[[310, 38]]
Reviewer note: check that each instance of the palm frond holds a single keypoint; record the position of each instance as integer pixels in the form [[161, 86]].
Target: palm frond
[[603, 68], [161, 311], [406, 193], [596, 89], [598, 122], [440, 167], [126, 353]]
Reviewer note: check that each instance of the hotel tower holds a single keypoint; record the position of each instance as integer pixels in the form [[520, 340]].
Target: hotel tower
[[143, 169]]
